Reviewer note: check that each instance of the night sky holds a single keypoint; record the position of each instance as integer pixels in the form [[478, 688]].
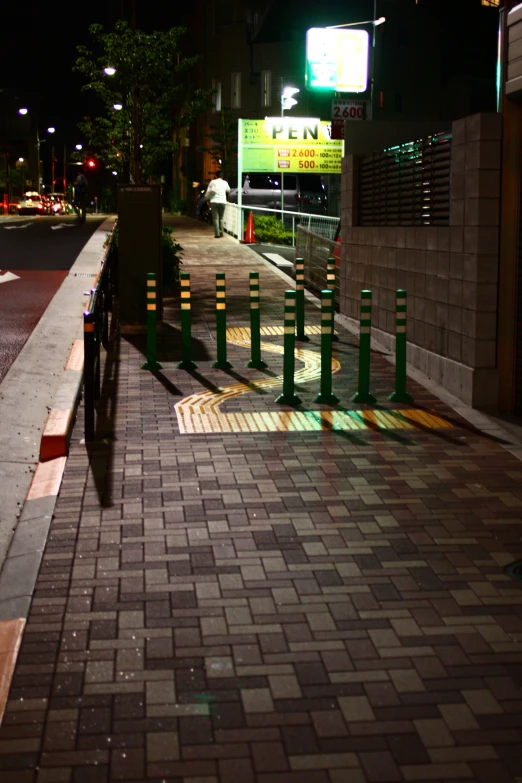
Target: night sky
[[39, 48]]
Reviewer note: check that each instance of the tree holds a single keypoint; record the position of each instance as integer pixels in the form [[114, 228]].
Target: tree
[[153, 89], [223, 150]]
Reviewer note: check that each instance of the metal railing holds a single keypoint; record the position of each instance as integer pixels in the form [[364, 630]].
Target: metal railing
[[95, 334], [322, 225], [315, 250], [407, 185]]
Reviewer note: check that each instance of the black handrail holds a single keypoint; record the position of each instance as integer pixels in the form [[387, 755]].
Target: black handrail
[[96, 333]]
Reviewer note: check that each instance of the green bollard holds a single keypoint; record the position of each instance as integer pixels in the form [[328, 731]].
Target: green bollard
[[300, 301], [255, 324], [221, 362], [330, 285], [186, 362], [151, 363], [363, 393], [288, 397], [400, 394], [325, 395]]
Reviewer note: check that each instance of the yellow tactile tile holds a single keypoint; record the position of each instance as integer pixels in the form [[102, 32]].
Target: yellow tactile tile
[[305, 421]]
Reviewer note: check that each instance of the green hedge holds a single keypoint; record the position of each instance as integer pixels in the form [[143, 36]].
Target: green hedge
[[271, 229]]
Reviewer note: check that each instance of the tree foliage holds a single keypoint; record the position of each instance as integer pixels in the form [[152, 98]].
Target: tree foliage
[[223, 149], [152, 84]]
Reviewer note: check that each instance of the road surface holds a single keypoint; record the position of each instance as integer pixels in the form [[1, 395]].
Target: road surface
[[36, 254]]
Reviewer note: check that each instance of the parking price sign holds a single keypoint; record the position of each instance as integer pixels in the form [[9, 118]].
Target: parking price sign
[[345, 110], [292, 144]]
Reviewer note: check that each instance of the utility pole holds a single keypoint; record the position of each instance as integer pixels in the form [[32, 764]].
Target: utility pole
[[282, 172], [38, 160], [8, 178], [372, 60]]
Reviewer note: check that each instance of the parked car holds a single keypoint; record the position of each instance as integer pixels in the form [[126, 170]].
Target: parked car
[[302, 192], [32, 203]]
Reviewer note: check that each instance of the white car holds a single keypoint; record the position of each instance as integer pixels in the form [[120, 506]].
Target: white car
[[31, 204]]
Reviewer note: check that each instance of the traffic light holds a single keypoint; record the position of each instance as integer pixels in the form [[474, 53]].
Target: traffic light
[[91, 163]]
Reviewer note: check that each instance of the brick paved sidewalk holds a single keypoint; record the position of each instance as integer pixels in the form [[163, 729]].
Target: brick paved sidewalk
[[270, 607]]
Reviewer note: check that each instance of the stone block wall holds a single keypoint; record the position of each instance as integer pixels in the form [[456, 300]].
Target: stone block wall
[[450, 272]]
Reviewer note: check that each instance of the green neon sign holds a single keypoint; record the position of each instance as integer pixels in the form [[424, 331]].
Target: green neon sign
[[337, 59]]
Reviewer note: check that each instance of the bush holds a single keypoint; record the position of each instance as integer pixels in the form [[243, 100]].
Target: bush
[[171, 254], [271, 229]]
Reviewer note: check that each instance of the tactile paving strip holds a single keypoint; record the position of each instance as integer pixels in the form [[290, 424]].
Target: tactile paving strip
[[200, 412], [308, 421]]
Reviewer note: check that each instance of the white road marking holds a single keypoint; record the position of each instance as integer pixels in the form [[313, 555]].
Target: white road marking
[[7, 276], [25, 225], [62, 225], [277, 259]]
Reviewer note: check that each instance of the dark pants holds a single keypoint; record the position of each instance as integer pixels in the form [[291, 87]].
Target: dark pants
[[218, 210]]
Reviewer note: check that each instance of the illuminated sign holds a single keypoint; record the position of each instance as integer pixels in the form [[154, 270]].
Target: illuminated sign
[[337, 59], [289, 144]]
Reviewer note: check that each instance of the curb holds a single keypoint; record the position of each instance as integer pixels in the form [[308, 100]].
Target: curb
[[19, 571], [22, 564], [57, 431]]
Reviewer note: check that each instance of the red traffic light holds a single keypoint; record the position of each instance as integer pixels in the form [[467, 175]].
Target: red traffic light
[[91, 163]]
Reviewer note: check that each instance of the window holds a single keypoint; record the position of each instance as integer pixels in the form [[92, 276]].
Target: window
[[266, 88], [260, 182], [290, 181], [235, 90], [216, 100], [495, 3]]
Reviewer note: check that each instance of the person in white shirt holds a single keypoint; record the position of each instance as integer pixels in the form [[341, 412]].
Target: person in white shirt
[[217, 193]]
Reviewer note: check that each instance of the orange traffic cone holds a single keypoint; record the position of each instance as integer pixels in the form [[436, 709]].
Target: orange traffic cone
[[250, 234]]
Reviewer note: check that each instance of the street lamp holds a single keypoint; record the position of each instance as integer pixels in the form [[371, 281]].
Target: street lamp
[[78, 147], [375, 22], [38, 143], [22, 111], [109, 70], [117, 107], [287, 101]]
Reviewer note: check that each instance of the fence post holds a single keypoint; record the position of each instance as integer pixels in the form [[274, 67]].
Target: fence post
[[288, 397], [255, 324], [400, 394], [330, 284], [327, 312], [186, 362], [363, 393], [151, 363], [221, 362], [88, 365], [300, 301]]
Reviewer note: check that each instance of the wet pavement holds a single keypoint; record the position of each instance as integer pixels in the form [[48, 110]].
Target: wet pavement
[[230, 594]]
